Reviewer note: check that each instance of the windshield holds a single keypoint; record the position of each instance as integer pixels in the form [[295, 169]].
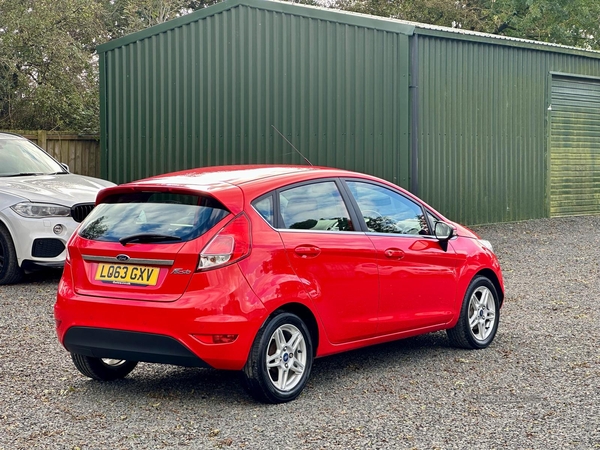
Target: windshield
[[21, 157], [145, 217]]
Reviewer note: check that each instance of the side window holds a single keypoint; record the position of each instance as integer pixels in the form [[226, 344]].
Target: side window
[[386, 211], [316, 206], [264, 207]]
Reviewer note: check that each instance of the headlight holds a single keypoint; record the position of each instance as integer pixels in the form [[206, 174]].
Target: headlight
[[40, 210], [487, 244]]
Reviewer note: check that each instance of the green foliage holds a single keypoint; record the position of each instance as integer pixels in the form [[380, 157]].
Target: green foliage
[[128, 16], [48, 78], [566, 22]]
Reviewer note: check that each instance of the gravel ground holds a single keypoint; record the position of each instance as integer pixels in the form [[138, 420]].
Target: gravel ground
[[536, 387]]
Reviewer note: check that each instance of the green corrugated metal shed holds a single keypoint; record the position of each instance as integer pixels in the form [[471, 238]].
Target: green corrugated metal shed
[[462, 119]]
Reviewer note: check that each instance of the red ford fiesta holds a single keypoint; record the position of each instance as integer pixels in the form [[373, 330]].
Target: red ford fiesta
[[264, 268]]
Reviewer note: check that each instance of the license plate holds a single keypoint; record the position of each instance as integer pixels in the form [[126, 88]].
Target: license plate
[[127, 274]]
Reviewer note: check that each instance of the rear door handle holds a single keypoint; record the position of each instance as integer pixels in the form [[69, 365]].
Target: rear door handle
[[307, 251], [394, 253]]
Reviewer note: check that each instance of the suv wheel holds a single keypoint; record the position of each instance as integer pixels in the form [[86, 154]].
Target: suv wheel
[[10, 272], [280, 360]]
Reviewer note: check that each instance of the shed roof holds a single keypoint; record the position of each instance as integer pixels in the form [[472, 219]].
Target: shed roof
[[350, 18]]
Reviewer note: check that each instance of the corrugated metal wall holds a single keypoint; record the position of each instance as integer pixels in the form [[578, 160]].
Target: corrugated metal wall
[[483, 139], [206, 90], [208, 93]]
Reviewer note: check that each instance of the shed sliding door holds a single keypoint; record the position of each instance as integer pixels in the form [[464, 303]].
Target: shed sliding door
[[575, 147]]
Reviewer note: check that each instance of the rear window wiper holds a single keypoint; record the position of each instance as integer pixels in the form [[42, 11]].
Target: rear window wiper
[[147, 238]]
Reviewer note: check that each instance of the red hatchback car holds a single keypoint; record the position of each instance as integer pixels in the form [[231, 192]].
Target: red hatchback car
[[264, 268]]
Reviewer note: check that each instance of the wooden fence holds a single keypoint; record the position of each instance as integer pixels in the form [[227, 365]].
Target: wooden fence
[[80, 152]]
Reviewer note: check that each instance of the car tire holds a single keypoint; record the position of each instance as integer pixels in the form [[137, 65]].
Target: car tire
[[10, 272], [479, 316], [103, 369], [280, 360]]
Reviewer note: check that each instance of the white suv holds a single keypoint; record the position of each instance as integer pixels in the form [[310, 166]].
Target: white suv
[[41, 204]]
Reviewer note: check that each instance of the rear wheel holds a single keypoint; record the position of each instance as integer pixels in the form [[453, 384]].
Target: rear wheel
[[280, 360], [479, 316], [10, 272], [103, 369]]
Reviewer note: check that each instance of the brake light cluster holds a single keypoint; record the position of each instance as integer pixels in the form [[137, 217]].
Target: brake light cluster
[[230, 245]]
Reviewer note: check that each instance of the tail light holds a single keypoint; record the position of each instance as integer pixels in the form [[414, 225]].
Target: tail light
[[230, 244]]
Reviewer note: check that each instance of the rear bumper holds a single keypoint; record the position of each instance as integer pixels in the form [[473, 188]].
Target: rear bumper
[[178, 332], [132, 346]]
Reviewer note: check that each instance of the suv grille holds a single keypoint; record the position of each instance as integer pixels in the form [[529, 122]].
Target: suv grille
[[80, 212]]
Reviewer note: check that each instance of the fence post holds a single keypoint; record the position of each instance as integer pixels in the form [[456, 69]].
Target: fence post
[[42, 139]]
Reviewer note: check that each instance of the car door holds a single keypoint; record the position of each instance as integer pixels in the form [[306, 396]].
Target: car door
[[417, 276], [336, 263]]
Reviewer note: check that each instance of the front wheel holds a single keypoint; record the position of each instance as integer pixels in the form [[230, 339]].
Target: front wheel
[[280, 360], [479, 316], [103, 369], [10, 272]]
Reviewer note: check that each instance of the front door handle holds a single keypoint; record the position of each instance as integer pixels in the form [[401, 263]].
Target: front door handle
[[307, 251], [394, 253]]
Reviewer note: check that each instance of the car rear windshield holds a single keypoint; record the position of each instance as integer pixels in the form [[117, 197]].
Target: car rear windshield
[[157, 217]]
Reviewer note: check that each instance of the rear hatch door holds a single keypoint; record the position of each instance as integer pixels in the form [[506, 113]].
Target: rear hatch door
[[144, 244]]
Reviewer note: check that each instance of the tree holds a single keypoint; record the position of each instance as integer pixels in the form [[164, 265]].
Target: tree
[[48, 78], [567, 22], [128, 16]]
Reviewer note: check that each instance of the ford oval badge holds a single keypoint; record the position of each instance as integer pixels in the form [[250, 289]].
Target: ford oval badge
[[122, 258]]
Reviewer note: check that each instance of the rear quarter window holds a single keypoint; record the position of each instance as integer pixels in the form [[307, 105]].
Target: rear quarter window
[[264, 206], [181, 216]]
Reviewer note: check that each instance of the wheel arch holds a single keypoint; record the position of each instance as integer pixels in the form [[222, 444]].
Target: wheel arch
[[306, 315], [4, 225], [491, 275], [11, 232], [10, 268]]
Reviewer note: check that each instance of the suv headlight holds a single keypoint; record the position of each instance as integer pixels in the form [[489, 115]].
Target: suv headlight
[[487, 244], [40, 210]]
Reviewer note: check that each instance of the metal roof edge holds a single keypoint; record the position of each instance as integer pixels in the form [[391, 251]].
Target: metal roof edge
[[314, 12], [350, 18], [169, 25], [333, 15], [495, 39]]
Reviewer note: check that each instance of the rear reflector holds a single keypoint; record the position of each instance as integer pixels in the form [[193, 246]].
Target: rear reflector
[[230, 244], [216, 338]]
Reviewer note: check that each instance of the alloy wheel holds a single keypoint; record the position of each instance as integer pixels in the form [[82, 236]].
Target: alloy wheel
[[482, 313], [286, 357]]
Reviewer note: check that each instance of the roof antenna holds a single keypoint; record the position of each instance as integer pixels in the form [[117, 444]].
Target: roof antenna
[[299, 152]]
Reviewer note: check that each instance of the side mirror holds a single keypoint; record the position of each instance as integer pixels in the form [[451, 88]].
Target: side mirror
[[443, 231], [66, 167]]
